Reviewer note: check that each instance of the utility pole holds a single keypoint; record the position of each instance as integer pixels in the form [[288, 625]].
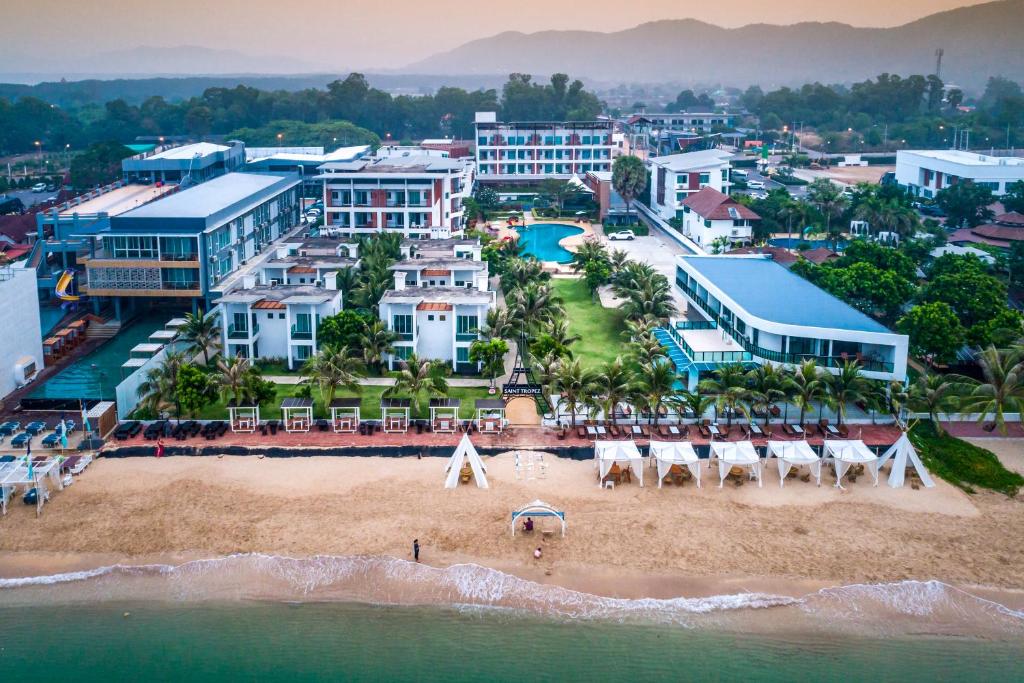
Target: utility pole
[[938, 63]]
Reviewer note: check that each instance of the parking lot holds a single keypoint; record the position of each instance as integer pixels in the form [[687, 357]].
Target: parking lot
[[657, 250]]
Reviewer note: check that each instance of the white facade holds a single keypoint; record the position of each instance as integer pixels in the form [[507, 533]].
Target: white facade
[[415, 195], [21, 345], [677, 176], [710, 216], [538, 150], [925, 172], [698, 122]]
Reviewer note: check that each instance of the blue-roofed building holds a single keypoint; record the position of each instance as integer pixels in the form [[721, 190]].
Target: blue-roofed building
[[184, 164], [749, 308]]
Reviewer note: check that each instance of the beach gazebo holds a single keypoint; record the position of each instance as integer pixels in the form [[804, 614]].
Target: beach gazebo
[[444, 415], [901, 452], [735, 454], [794, 454], [345, 415], [611, 457], [674, 454], [31, 473], [537, 508], [465, 464], [490, 415], [394, 414], [244, 416], [845, 454], [297, 413]]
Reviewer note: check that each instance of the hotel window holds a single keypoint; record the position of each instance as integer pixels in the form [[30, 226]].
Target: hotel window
[[303, 352], [134, 247], [402, 324], [462, 354], [705, 178], [403, 352]]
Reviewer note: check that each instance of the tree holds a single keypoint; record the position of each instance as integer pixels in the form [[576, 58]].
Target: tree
[[692, 402], [597, 274], [614, 384], [98, 165], [1001, 390], [194, 389], [235, 378], [491, 354], [974, 296], [933, 394], [347, 280], [334, 367], [376, 341], [1000, 331], [486, 198], [1013, 198], [418, 376], [807, 387], [828, 198], [768, 385], [159, 389], [202, 333], [575, 384], [656, 381], [557, 192], [344, 328], [845, 387], [965, 204], [729, 387], [534, 306], [934, 331], [629, 179]]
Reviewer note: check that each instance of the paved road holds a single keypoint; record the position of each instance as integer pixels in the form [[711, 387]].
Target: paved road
[[30, 198], [659, 251]]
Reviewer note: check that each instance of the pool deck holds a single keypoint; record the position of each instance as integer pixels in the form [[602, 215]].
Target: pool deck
[[570, 243]]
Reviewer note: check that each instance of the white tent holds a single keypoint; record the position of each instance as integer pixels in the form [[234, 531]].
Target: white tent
[[675, 453], [465, 452], [537, 508], [735, 453], [794, 454], [901, 451], [625, 453], [579, 185], [847, 453]]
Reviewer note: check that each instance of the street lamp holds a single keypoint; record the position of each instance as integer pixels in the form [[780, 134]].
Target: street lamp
[[39, 149], [280, 136]]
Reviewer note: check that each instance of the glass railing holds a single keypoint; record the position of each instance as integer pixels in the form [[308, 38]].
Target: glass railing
[[404, 336], [301, 333], [466, 336], [179, 257], [180, 285]]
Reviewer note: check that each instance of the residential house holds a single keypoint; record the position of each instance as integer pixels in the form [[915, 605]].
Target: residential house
[[711, 218], [677, 176]]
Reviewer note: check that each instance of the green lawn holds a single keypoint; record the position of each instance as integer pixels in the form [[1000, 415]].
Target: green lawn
[[369, 410], [600, 328], [961, 463]]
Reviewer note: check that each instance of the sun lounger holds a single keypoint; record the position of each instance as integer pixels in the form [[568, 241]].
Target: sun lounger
[[21, 440], [82, 463], [68, 464], [34, 428], [9, 428], [51, 440]]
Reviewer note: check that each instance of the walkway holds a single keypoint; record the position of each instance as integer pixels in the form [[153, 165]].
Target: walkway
[[384, 381]]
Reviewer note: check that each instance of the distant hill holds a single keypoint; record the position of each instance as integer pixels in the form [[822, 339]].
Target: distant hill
[[979, 41]]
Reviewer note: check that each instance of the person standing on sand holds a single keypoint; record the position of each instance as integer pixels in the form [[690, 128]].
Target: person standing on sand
[[416, 549], [160, 448]]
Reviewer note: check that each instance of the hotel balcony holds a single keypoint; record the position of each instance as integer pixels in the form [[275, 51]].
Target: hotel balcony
[[242, 332], [301, 334]]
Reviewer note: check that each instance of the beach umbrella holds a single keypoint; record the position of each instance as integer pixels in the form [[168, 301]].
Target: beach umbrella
[[62, 429], [85, 419]]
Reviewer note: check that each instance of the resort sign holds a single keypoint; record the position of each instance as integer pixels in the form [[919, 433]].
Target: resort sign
[[522, 390]]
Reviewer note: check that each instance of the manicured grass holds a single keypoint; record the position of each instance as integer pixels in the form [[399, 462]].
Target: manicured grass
[[961, 463], [600, 328]]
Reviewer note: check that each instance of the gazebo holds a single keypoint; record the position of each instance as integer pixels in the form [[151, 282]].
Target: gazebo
[[847, 453], [465, 464], [394, 414], [901, 452], [32, 473], [243, 415], [297, 414], [613, 457], [345, 415], [675, 454], [490, 415], [444, 415], [794, 454], [537, 508], [735, 454]]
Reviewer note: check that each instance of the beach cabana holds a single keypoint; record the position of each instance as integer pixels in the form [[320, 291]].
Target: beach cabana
[[679, 453], [537, 508], [735, 454], [33, 474], [394, 414], [444, 414], [794, 454], [901, 452], [297, 414], [345, 415], [844, 454], [609, 455], [464, 464], [244, 416], [490, 415]]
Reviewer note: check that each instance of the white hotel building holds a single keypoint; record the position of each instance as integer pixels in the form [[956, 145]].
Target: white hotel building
[[925, 172], [535, 150], [416, 195], [676, 176]]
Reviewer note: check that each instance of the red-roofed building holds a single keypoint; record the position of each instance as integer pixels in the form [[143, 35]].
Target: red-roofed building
[[1003, 231], [819, 255], [709, 215], [784, 257]]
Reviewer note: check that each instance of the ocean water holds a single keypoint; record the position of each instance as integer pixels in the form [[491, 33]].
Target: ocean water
[[254, 617]]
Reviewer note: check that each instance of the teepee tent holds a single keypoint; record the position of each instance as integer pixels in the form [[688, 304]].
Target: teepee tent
[[794, 454], [847, 453], [675, 453], [735, 453], [900, 452], [465, 453], [625, 453]]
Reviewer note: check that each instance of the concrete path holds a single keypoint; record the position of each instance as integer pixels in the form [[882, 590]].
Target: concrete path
[[385, 381]]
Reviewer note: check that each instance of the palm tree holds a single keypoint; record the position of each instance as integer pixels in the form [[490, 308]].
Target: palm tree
[[614, 383], [334, 367], [575, 384], [768, 386], [829, 199], [159, 390], [693, 402], [933, 394], [647, 349], [498, 324], [587, 251], [1001, 389], [845, 387], [417, 376], [729, 386], [617, 259], [535, 305], [234, 378], [547, 367], [202, 332], [648, 298], [656, 380], [807, 387], [562, 339], [377, 341], [348, 280]]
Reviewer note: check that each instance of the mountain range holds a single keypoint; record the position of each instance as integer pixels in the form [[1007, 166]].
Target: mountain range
[[978, 41]]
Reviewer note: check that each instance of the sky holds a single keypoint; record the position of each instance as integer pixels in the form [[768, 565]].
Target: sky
[[336, 35]]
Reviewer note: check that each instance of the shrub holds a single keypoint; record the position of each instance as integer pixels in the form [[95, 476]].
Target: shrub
[[963, 464]]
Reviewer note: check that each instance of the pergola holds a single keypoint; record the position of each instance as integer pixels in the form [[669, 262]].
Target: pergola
[[444, 414], [244, 416], [394, 414], [537, 508], [490, 415], [297, 414], [794, 454], [345, 415], [735, 454], [30, 475]]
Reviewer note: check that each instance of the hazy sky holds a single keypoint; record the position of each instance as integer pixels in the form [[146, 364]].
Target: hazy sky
[[343, 34]]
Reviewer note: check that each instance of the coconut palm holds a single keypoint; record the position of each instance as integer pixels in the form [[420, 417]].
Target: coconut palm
[[520, 272], [561, 337], [575, 384], [499, 324], [768, 386], [617, 259], [647, 298], [845, 387], [693, 402], [1001, 390], [729, 387], [613, 384], [534, 306], [933, 394], [376, 341], [347, 281], [587, 251], [418, 376], [828, 198], [333, 368], [159, 390], [647, 349], [202, 333], [546, 368], [234, 378], [807, 387], [655, 382], [635, 329]]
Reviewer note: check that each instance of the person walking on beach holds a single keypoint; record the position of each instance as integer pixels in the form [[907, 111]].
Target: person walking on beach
[[160, 448], [416, 549]]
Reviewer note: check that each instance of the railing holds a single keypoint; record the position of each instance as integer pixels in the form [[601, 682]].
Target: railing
[[403, 336], [179, 257], [179, 285], [302, 333], [708, 356], [466, 336], [242, 332], [696, 325]]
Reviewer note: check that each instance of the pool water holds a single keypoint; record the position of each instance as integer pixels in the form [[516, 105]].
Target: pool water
[[794, 242], [96, 375], [541, 240]]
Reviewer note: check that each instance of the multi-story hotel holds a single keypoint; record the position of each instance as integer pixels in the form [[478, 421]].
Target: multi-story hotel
[[677, 176], [529, 151], [416, 195], [926, 172], [185, 164], [696, 122]]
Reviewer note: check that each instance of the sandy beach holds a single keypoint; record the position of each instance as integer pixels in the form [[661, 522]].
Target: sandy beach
[[630, 542]]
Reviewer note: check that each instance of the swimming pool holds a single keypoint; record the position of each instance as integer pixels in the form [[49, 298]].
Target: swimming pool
[[794, 242], [541, 240]]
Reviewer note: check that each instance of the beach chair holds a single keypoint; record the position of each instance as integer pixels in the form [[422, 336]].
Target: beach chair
[[581, 432], [34, 428], [10, 427], [20, 440], [613, 430], [51, 440]]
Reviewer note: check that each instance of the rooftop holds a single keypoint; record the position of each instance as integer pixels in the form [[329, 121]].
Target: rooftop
[[201, 149], [765, 289], [413, 163], [446, 263], [962, 157], [313, 261], [711, 204], [214, 196], [693, 160], [281, 294], [445, 295]]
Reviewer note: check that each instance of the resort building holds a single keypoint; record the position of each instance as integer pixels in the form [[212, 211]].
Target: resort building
[[21, 345], [712, 218], [925, 172], [1002, 232], [185, 164], [425, 270], [183, 248], [462, 248], [695, 122], [677, 176], [416, 195], [612, 208], [750, 309], [531, 151], [303, 161]]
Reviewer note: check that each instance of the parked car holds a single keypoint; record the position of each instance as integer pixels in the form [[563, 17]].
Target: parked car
[[39, 187], [755, 184], [737, 174], [930, 210], [622, 235]]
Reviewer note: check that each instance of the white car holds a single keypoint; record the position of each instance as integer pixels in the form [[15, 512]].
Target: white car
[[622, 235], [755, 184], [39, 187]]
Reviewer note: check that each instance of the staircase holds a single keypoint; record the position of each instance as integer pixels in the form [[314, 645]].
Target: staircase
[[675, 354], [101, 328]]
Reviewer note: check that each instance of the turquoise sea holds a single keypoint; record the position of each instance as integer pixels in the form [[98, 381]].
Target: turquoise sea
[[217, 621]]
